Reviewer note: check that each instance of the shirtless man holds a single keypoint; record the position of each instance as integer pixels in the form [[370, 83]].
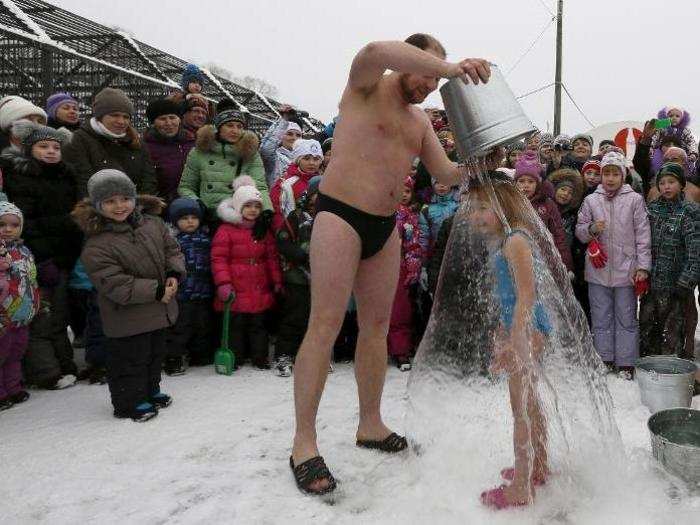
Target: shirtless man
[[354, 245]]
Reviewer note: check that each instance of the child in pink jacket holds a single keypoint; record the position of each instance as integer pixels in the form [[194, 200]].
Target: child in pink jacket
[[615, 216]]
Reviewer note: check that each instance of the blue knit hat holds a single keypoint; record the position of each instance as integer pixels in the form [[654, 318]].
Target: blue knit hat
[[184, 206], [192, 74], [56, 100]]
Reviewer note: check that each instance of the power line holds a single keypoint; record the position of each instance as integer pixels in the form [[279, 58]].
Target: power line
[[576, 105], [524, 95], [524, 54]]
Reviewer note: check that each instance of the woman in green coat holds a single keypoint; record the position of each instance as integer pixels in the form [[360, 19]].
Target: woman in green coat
[[223, 152]]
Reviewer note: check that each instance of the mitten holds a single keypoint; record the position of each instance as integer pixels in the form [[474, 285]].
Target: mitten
[[224, 292], [597, 254]]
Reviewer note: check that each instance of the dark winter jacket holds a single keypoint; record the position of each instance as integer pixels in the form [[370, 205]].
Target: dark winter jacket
[[675, 244], [251, 267], [293, 242], [88, 152], [129, 262], [55, 124], [46, 194], [548, 211], [196, 249], [168, 155]]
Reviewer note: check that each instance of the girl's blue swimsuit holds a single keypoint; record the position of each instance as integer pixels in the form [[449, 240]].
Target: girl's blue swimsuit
[[507, 295]]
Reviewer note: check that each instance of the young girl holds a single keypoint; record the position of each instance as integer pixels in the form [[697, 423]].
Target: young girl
[[591, 176], [135, 265], [529, 179], [616, 218], [246, 268], [400, 340], [19, 303], [524, 325], [679, 127]]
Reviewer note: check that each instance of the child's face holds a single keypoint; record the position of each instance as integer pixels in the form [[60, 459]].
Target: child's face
[[592, 178], [194, 87], [48, 151], [117, 208], [482, 217], [309, 163], [564, 195], [188, 223], [406, 196], [528, 185], [582, 149], [513, 156], [611, 178], [10, 227], [231, 132], [669, 187], [290, 137], [546, 152], [251, 210], [441, 189], [675, 115]]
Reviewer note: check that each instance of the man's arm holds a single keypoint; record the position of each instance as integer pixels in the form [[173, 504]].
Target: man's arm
[[376, 57], [435, 159]]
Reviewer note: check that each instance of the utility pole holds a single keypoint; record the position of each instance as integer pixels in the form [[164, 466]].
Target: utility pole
[[557, 74]]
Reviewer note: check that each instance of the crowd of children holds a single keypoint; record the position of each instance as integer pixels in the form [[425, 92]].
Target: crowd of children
[[196, 218]]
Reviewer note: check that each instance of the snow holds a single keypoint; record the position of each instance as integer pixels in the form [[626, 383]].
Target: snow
[[221, 452], [26, 20]]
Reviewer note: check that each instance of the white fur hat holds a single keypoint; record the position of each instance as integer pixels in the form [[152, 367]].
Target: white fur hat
[[13, 108], [306, 147], [613, 158], [229, 210], [292, 126]]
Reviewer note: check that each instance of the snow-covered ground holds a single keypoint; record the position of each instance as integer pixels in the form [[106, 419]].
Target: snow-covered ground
[[220, 454]]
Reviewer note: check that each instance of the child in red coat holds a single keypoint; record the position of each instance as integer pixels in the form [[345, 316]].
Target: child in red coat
[[245, 266]]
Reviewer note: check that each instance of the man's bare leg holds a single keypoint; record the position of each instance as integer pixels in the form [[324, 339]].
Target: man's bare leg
[[335, 252], [375, 286]]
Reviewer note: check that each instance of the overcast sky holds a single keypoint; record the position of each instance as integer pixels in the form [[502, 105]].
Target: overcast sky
[[623, 59]]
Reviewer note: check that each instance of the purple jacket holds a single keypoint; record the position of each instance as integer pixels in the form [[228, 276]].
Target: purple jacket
[[626, 239], [168, 156]]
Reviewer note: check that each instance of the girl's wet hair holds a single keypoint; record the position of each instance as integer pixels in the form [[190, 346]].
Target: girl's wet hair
[[510, 198]]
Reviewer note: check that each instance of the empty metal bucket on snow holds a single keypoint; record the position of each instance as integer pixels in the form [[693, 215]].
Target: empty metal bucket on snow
[[675, 442], [484, 116], [665, 381]]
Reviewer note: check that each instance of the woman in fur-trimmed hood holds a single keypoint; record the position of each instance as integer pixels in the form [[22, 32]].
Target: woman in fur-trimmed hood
[[223, 152]]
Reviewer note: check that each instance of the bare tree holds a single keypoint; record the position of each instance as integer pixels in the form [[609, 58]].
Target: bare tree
[[260, 85], [219, 71]]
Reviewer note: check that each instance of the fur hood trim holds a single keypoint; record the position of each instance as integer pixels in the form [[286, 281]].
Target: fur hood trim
[[226, 211], [246, 147], [92, 223], [576, 180]]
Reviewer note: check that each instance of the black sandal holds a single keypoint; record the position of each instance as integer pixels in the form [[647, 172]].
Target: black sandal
[[309, 471], [392, 444]]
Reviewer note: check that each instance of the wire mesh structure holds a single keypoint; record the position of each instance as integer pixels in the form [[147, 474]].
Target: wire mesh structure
[[44, 49]]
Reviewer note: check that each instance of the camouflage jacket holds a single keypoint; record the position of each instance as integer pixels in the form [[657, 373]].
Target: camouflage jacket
[[675, 244]]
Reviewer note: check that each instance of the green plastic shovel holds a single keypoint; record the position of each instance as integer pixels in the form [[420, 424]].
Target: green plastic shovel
[[224, 358]]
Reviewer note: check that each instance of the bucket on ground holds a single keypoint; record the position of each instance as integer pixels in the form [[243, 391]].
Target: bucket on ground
[[484, 116], [665, 381], [675, 442]]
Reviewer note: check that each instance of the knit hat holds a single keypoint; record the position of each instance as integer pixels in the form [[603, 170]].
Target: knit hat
[[293, 126], [613, 158], [184, 206], [306, 147], [192, 74], [561, 140], [161, 106], [546, 138], [327, 145], [56, 100], [111, 100], [230, 115], [107, 183], [671, 169], [30, 133], [7, 208], [583, 136], [244, 191], [591, 165], [13, 108], [528, 165], [515, 146]]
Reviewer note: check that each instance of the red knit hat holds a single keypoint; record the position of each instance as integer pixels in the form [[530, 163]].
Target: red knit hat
[[591, 165], [529, 165]]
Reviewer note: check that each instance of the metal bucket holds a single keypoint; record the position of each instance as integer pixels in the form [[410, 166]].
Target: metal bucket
[[665, 381], [675, 442], [484, 116]]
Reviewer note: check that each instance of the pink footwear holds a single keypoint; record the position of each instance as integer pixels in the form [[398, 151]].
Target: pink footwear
[[507, 474], [496, 499]]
